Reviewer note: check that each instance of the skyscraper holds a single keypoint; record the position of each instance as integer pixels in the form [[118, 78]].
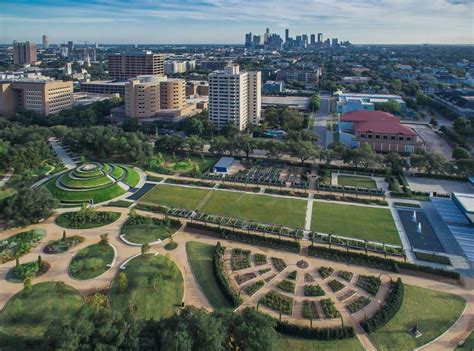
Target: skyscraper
[[248, 40], [24, 53], [234, 97], [45, 42], [313, 39], [287, 35], [70, 45], [320, 38]]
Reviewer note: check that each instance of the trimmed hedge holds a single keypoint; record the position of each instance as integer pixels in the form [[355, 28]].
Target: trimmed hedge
[[253, 239], [221, 278], [314, 333], [376, 261], [389, 309], [151, 208]]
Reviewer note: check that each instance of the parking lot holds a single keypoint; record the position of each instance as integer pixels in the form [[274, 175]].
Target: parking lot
[[438, 185], [433, 141]]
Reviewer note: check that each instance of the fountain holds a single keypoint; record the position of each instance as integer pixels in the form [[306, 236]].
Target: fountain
[[414, 216], [419, 228]]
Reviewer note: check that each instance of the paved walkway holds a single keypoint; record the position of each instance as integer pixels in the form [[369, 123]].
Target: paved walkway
[[6, 178], [309, 212], [62, 154]]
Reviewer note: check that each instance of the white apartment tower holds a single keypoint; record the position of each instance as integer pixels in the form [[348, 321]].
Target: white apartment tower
[[235, 97]]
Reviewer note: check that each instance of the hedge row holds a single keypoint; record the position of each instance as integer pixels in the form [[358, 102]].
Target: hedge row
[[253, 239], [221, 278], [151, 208], [387, 312], [314, 333], [376, 262]]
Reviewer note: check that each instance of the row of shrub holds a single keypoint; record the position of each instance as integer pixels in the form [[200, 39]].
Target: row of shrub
[[253, 239], [314, 333], [389, 309], [221, 278], [351, 199], [359, 170], [151, 208], [375, 261], [286, 192], [188, 182], [253, 189]]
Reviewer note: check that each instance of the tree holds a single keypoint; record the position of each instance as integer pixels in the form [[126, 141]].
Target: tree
[[304, 150], [396, 162], [122, 282], [460, 153], [64, 234], [104, 239], [230, 130], [194, 126], [245, 144], [28, 206], [315, 103], [275, 149], [145, 249], [60, 288], [391, 106], [251, 330]]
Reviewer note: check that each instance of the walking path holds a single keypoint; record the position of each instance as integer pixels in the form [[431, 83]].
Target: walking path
[[6, 178], [309, 213], [62, 154], [193, 292]]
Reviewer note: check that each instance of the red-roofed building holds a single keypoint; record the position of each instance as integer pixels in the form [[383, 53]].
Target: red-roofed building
[[381, 130]]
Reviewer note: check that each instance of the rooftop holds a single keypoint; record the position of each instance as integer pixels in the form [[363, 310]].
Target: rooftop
[[466, 200]]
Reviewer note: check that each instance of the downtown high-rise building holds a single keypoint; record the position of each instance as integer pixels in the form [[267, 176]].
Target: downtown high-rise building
[[313, 40], [320, 38], [287, 35], [128, 65], [234, 97], [45, 42], [24, 53]]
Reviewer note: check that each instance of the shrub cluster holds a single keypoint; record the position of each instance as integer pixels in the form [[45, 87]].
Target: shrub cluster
[[335, 285], [325, 271], [252, 289], [278, 263], [292, 275], [252, 239], [313, 290], [222, 279], [314, 333], [151, 208], [86, 217], [369, 283], [188, 182], [240, 259], [278, 302], [329, 309], [260, 259], [347, 276], [358, 304], [287, 285], [389, 309]]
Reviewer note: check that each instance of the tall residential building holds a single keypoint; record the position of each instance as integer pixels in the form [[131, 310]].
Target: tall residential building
[[42, 96], [234, 97], [45, 42], [147, 95], [24, 53], [132, 64]]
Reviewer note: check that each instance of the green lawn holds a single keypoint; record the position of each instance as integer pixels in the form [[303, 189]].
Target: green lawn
[[84, 182], [360, 182], [297, 344], [98, 196], [102, 218], [155, 286], [261, 208], [91, 261], [183, 163], [361, 222], [433, 311], [147, 233], [28, 314], [117, 171], [200, 257], [132, 178], [174, 196], [6, 192]]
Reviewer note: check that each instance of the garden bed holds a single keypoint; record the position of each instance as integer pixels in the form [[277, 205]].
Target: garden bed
[[252, 289], [86, 218], [287, 285], [260, 259], [310, 310], [63, 244], [141, 230], [329, 309], [347, 276], [278, 302], [243, 278], [369, 283], [358, 304], [32, 270], [335, 285], [240, 259], [91, 261], [313, 290], [325, 271], [20, 244], [278, 263]]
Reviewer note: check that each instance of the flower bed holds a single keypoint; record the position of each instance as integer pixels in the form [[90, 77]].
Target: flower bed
[[19, 244], [347, 276], [292, 275], [278, 302], [313, 290], [33, 269], [263, 271], [252, 289], [308, 278], [63, 245], [278, 263], [329, 309], [242, 278], [260, 259], [358, 304], [325, 271], [369, 283], [335, 285], [309, 310], [287, 286], [240, 259], [86, 218]]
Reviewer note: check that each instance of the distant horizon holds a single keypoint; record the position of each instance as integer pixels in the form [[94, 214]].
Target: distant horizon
[[384, 22]]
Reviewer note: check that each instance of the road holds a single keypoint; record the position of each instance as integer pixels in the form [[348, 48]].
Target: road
[[321, 118]]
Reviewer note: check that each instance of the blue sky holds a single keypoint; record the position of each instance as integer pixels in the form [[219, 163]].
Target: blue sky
[[226, 21]]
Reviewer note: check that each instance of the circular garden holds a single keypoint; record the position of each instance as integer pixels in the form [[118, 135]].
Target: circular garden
[[92, 261], [93, 183]]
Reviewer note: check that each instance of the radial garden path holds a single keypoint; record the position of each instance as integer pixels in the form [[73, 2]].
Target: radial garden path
[[193, 293]]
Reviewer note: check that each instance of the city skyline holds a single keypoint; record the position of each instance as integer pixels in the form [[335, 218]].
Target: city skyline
[[195, 22]]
